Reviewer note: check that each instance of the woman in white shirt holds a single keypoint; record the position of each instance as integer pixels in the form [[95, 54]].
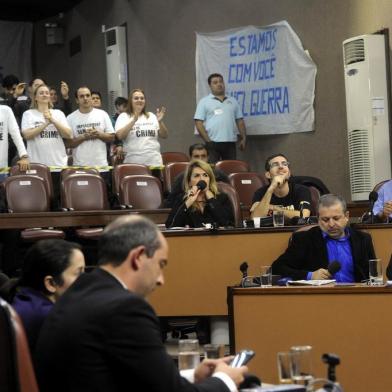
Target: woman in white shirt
[[140, 130], [44, 129]]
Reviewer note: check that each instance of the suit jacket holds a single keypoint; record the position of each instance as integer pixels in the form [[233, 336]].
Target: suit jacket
[[307, 251], [101, 337]]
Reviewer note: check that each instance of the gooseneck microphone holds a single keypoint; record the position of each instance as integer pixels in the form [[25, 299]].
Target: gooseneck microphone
[[334, 267], [201, 185], [373, 196], [244, 269]]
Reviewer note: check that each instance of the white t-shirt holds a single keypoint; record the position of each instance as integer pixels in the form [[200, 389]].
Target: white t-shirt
[[47, 147], [141, 145], [8, 125], [90, 152]]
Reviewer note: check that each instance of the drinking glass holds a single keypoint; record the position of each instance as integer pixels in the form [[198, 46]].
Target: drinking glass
[[266, 276], [284, 367], [301, 364], [375, 272], [188, 354], [278, 217]]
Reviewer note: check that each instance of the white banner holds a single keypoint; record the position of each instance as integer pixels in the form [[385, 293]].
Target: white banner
[[15, 49], [267, 70]]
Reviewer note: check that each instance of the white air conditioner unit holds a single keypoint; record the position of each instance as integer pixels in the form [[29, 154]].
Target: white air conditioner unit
[[116, 64], [367, 113]]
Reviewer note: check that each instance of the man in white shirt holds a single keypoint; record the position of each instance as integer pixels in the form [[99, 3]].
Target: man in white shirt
[[9, 126], [92, 129]]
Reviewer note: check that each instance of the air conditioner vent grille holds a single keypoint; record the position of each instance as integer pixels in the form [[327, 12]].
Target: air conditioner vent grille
[[360, 161], [354, 51]]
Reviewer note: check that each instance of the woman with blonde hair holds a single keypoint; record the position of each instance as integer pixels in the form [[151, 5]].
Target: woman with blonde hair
[[201, 203], [44, 128], [140, 130]]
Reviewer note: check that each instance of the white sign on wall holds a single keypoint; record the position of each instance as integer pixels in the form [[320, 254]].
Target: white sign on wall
[[267, 70]]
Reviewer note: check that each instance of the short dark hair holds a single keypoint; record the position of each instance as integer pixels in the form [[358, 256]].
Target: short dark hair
[[197, 146], [331, 199], [46, 257], [9, 81], [267, 161], [77, 90], [125, 234], [120, 101], [97, 93], [214, 75]]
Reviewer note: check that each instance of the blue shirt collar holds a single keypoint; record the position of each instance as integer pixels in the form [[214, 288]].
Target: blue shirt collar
[[347, 235]]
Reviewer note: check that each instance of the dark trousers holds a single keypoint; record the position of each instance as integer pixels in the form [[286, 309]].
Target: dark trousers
[[219, 151]]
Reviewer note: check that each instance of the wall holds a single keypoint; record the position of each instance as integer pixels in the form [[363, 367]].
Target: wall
[[161, 38]]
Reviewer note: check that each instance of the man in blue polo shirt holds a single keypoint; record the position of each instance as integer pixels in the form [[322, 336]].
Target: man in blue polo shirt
[[218, 119], [310, 252], [383, 205]]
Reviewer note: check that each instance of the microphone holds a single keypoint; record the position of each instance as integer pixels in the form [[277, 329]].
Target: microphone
[[334, 267], [244, 269], [300, 220], [201, 185], [373, 196]]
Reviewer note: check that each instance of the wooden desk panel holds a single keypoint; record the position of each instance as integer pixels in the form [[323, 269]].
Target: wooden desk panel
[[201, 267], [353, 323]]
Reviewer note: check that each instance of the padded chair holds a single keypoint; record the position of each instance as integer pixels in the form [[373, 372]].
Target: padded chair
[[310, 181], [235, 201], [315, 197], [85, 192], [232, 166], [28, 193], [127, 169], [37, 169], [168, 157], [246, 184], [67, 172], [141, 192], [16, 370], [171, 171]]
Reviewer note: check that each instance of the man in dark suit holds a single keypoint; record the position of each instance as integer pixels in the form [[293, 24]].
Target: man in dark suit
[[310, 252], [104, 336]]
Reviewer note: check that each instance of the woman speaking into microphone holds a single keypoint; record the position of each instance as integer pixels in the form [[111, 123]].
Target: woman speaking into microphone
[[201, 203]]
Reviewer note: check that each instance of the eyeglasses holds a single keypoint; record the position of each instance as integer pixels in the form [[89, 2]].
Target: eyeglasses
[[278, 164]]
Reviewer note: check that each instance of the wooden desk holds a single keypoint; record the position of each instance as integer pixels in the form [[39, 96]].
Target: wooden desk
[[353, 322], [202, 264], [74, 218]]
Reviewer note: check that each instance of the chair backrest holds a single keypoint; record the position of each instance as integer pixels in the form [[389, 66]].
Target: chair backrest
[[235, 201], [246, 184], [26, 193], [37, 169], [127, 169], [171, 171], [71, 170], [168, 157], [379, 185], [315, 197], [141, 192], [232, 166], [84, 192], [16, 370]]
